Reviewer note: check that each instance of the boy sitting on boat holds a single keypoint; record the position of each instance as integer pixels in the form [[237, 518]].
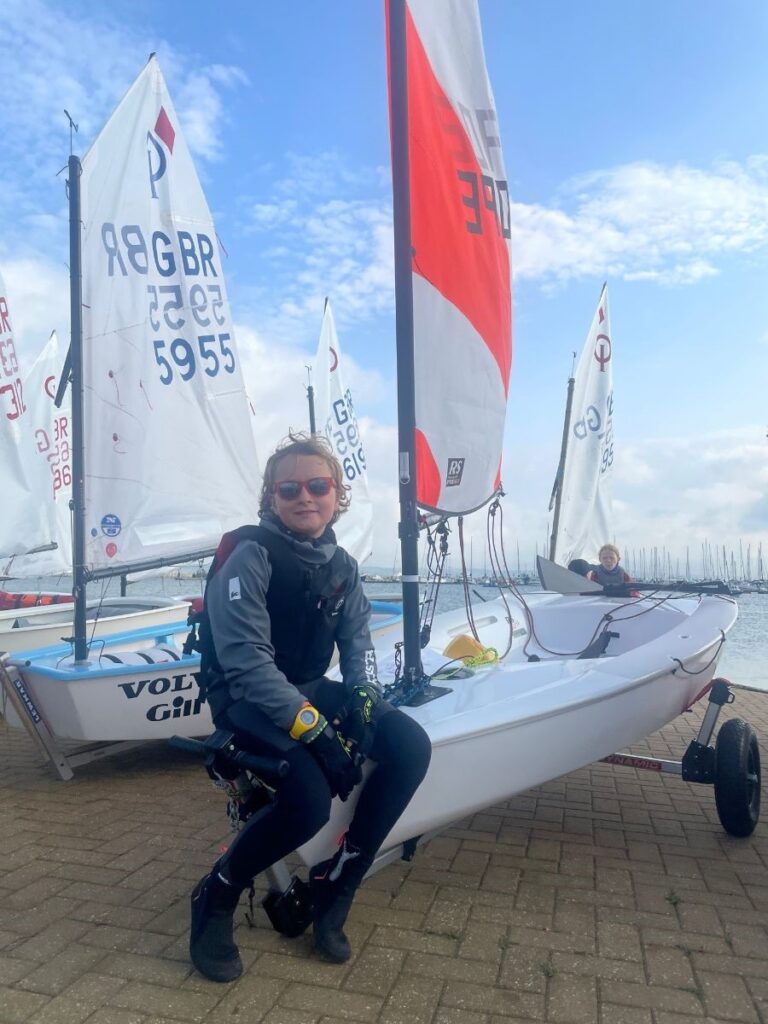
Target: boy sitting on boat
[[279, 596]]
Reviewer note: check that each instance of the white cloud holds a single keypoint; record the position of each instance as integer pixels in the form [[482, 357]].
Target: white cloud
[[326, 229], [643, 221], [201, 109], [707, 489]]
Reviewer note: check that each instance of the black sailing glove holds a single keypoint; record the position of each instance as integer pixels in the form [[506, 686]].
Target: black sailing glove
[[341, 770], [359, 706]]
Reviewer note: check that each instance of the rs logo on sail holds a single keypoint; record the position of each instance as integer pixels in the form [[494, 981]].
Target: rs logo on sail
[[166, 134], [455, 472]]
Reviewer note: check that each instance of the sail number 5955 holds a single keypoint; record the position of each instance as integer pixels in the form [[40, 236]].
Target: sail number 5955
[[209, 352]]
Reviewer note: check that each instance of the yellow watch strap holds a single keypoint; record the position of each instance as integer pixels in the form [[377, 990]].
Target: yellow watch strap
[[308, 724]]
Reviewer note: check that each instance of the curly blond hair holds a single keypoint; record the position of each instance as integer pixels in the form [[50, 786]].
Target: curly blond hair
[[612, 548], [304, 444]]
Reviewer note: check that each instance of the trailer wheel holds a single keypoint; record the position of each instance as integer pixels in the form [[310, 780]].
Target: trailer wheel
[[737, 777]]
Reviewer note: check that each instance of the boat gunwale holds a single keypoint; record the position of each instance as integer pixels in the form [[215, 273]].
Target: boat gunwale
[[564, 709]]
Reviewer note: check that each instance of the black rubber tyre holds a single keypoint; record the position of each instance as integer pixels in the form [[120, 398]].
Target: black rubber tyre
[[737, 778]]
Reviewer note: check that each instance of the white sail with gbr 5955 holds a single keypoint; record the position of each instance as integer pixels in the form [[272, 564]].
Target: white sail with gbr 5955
[[170, 462]]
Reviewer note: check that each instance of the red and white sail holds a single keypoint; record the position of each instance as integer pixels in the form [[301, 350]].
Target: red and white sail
[[28, 520], [170, 460], [336, 418], [461, 266], [586, 519]]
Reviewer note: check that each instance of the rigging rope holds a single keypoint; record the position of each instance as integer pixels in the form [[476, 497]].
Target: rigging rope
[[436, 557]]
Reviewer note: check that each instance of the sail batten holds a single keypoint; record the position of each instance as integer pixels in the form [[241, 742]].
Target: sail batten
[[460, 258], [169, 455]]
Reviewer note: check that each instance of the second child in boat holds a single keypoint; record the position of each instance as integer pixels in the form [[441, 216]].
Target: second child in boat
[[279, 596], [609, 572]]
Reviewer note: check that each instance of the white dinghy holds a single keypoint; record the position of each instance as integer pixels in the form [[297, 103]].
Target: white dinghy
[[515, 724], [579, 676], [163, 458]]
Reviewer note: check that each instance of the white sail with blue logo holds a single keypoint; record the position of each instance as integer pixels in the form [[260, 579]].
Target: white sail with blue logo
[[336, 419], [170, 462], [586, 519]]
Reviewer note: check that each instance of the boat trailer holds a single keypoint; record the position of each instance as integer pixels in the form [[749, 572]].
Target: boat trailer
[[732, 765]]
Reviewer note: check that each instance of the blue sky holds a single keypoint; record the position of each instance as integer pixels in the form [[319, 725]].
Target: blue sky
[[634, 140]]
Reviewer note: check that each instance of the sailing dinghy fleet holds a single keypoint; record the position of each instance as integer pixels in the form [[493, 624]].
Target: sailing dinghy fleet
[[580, 674], [35, 530]]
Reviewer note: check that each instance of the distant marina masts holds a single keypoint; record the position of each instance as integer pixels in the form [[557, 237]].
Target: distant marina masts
[[717, 562]]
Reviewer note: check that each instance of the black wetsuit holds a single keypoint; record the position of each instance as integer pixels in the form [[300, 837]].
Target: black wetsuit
[[316, 587]]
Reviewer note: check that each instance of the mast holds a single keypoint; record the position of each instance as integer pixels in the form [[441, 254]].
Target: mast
[[310, 388], [311, 402], [406, 404], [78, 454], [557, 489]]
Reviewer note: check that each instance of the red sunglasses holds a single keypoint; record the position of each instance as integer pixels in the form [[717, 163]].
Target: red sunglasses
[[317, 487]]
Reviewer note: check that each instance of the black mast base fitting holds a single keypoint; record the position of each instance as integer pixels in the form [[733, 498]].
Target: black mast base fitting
[[426, 695]]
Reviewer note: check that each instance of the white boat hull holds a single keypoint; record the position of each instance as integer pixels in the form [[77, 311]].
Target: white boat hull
[[519, 724], [133, 697], [105, 701], [24, 629]]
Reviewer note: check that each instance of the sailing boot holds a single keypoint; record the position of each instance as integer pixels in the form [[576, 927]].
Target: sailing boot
[[212, 947], [333, 884]]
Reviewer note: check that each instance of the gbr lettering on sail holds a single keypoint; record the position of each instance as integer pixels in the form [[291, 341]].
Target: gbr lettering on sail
[[185, 305]]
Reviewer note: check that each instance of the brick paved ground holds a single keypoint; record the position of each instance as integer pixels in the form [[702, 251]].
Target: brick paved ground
[[608, 896]]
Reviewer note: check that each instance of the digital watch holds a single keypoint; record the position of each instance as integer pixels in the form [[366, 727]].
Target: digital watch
[[308, 724]]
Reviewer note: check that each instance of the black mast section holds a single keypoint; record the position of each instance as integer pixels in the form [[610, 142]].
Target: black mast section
[[76, 363], [311, 403], [557, 490], [406, 411]]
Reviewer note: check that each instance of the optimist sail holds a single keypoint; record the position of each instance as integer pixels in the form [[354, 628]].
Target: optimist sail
[[27, 522], [170, 461], [461, 266], [336, 418], [51, 431], [586, 520]]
